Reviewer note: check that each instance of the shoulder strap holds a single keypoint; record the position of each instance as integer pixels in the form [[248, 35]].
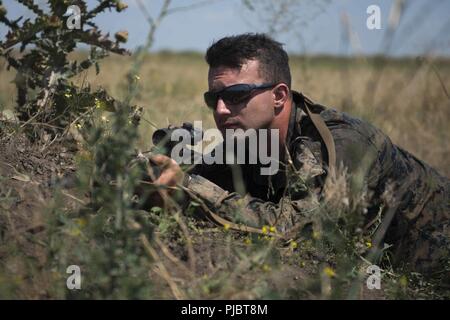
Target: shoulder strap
[[327, 138]]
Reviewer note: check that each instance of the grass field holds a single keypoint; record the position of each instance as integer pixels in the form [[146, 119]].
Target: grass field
[[407, 98]]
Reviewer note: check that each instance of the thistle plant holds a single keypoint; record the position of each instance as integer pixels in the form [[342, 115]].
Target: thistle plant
[[38, 50]]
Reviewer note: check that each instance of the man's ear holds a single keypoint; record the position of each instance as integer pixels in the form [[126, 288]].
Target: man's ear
[[281, 95]]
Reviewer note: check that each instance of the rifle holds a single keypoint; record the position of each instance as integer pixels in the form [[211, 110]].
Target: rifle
[[164, 143], [163, 139]]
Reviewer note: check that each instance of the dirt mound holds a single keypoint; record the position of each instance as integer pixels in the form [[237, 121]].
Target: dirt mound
[[27, 174], [32, 169]]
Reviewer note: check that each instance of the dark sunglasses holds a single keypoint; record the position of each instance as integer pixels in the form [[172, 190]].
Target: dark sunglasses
[[234, 94]]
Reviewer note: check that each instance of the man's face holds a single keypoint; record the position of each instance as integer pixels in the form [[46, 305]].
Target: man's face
[[257, 112]]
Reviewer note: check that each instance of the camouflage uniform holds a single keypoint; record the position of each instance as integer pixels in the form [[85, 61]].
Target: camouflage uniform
[[419, 228]]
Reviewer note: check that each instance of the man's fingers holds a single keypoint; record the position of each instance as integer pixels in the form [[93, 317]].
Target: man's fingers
[[164, 162], [169, 178], [160, 159], [171, 172]]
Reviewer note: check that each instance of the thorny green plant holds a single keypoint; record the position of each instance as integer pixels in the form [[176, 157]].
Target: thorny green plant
[[38, 49]]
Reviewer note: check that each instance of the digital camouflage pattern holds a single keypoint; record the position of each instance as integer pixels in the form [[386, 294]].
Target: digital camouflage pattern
[[415, 197]]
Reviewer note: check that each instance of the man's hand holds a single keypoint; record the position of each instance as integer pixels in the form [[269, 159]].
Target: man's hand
[[171, 173]]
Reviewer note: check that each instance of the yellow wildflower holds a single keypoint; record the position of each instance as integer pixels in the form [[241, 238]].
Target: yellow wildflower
[[100, 104], [329, 272], [266, 268], [403, 281], [74, 232], [81, 222]]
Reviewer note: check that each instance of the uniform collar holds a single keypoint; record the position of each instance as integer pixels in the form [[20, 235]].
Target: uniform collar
[[294, 129]]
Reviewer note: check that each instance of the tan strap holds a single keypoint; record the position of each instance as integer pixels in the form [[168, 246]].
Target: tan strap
[[327, 138]]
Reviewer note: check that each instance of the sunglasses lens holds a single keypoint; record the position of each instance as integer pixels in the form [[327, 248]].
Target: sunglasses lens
[[232, 95], [235, 97], [211, 99]]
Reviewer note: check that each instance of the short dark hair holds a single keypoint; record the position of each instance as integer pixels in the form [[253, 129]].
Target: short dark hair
[[234, 51]]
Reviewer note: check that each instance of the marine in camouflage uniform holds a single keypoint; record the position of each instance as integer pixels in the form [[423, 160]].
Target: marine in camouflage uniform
[[417, 222]]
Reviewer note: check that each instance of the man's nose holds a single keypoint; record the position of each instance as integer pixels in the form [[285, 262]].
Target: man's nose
[[221, 107]]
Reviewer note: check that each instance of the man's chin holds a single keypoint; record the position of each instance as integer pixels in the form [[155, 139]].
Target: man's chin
[[229, 128], [240, 134], [233, 126]]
